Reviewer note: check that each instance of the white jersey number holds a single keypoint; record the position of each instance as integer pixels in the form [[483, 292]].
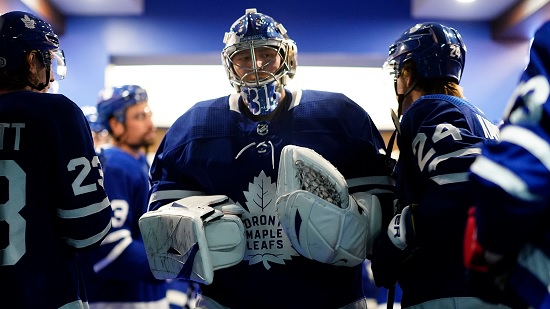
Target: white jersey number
[[16, 200], [9, 212]]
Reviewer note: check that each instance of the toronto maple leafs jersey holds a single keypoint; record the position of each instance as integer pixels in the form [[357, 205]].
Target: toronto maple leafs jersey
[[513, 181], [52, 202], [117, 272], [439, 139], [216, 148]]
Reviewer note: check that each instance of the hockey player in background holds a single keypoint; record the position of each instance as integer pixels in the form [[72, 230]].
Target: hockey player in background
[[439, 135], [117, 273], [508, 252], [52, 203], [227, 150]]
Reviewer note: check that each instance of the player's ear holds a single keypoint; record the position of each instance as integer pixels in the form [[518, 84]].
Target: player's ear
[[409, 79], [117, 127], [31, 57]]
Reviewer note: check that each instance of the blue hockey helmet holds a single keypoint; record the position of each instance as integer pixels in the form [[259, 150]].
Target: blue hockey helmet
[[438, 51], [21, 32], [252, 31], [114, 101], [90, 112]]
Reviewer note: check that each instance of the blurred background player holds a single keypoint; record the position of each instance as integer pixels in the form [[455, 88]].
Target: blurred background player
[[512, 201], [231, 146], [438, 137], [117, 273], [100, 135], [52, 201]]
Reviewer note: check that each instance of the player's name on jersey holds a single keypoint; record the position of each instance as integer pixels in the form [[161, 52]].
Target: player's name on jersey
[[6, 130]]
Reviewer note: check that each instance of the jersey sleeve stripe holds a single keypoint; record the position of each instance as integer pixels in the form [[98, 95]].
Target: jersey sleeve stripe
[[113, 255], [503, 177], [536, 262], [450, 178], [116, 236], [84, 211], [81, 243], [522, 137], [454, 154]]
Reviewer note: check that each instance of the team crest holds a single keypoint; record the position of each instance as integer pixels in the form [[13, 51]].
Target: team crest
[[265, 240], [29, 23]]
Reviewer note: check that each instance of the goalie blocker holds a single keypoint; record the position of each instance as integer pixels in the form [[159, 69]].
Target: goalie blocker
[[322, 221], [192, 237]]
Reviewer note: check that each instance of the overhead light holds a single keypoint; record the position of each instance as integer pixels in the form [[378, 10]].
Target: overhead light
[[465, 1]]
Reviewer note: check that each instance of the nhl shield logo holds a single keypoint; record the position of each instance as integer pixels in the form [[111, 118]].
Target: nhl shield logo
[[262, 129]]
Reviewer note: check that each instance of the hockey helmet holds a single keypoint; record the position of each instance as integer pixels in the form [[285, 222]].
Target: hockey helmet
[[438, 51], [21, 32], [113, 102], [252, 31]]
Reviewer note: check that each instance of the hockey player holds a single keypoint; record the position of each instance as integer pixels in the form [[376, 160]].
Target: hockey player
[[227, 150], [438, 137], [117, 273], [52, 203], [511, 253]]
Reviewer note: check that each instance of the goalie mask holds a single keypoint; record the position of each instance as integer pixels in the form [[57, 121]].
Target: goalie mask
[[259, 58], [21, 33]]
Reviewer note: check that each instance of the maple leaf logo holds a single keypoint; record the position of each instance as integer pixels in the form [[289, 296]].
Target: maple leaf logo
[[29, 23], [265, 240]]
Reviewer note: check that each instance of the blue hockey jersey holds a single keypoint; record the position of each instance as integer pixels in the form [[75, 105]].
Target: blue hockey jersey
[[513, 177], [439, 139], [216, 148], [52, 201], [117, 273]]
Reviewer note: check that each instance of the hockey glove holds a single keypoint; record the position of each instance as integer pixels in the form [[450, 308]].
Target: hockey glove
[[322, 221], [392, 248]]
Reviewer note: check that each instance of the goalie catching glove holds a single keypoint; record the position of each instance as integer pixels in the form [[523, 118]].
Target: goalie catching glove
[[189, 239], [322, 221]]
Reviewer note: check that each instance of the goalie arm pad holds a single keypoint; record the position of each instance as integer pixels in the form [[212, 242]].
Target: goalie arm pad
[[322, 221], [189, 239]]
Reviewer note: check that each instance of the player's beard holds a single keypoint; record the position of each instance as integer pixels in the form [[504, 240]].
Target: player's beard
[[144, 141]]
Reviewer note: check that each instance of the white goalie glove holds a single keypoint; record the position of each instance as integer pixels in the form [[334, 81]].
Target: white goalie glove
[[322, 221], [189, 239]]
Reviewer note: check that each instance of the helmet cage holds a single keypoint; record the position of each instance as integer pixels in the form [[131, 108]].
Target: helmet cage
[[238, 82], [248, 33]]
